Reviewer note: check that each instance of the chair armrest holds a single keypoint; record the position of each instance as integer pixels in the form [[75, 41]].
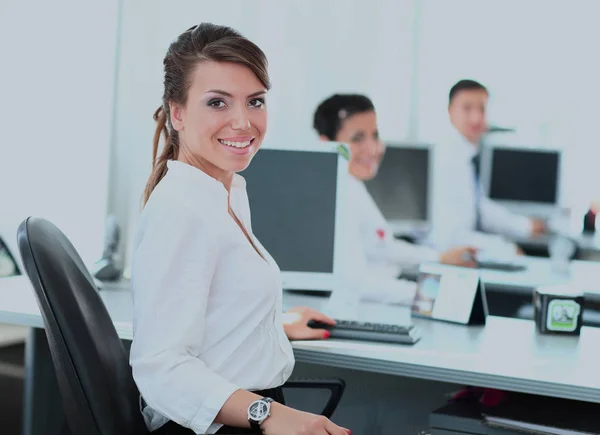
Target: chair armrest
[[336, 387]]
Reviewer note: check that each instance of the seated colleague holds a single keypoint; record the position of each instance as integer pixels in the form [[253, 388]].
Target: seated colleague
[[352, 119], [461, 211], [209, 335]]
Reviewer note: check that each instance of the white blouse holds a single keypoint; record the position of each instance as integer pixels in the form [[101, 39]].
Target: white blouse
[[207, 308], [383, 255]]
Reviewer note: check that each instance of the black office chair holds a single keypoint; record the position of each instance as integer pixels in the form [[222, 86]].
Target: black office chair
[[91, 364]]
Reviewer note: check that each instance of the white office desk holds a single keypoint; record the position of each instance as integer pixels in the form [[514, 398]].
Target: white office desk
[[507, 353], [588, 244], [539, 272], [19, 307]]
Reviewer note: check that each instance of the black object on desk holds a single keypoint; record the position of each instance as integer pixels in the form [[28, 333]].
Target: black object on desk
[[557, 312], [365, 331], [500, 266], [107, 268], [313, 293], [589, 222]]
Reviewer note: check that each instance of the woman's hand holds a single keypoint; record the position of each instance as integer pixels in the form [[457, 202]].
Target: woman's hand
[[463, 256], [296, 324], [538, 227], [288, 421]]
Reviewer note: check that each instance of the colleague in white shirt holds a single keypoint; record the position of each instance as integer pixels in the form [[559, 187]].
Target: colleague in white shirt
[[209, 336], [462, 213], [352, 119]]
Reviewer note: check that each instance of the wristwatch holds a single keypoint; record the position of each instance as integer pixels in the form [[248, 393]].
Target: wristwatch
[[258, 411]]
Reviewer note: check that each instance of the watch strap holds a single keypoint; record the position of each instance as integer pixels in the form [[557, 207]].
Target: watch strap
[[255, 426]]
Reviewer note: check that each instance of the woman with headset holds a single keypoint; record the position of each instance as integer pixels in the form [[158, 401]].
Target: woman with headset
[[210, 350], [352, 119]]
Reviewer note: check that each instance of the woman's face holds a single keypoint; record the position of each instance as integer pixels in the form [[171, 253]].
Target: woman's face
[[224, 120], [360, 132]]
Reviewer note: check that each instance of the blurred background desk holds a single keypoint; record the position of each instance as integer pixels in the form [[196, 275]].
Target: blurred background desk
[[588, 246]]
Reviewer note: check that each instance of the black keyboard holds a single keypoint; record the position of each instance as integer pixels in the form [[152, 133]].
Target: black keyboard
[[499, 266], [353, 330]]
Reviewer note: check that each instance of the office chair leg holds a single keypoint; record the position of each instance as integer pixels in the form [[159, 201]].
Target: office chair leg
[[43, 412], [334, 385]]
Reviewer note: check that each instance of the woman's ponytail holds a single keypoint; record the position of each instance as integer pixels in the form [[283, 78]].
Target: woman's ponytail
[[159, 164]]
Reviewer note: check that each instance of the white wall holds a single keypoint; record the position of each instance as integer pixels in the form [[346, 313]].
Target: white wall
[[315, 48], [537, 59], [56, 80]]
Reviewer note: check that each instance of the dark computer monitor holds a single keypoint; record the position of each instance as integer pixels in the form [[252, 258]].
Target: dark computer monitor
[[296, 201], [401, 187], [526, 180]]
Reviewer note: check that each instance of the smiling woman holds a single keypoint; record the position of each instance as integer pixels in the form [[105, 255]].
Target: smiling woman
[[352, 119], [210, 350], [213, 114], [220, 131]]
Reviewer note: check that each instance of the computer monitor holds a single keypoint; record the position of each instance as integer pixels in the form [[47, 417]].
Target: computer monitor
[[297, 201], [526, 180], [401, 187]]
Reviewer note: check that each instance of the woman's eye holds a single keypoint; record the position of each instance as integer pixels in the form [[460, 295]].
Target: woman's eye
[[257, 102], [217, 104]]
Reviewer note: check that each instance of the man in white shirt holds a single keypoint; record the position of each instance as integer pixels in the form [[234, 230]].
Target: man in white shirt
[[462, 213]]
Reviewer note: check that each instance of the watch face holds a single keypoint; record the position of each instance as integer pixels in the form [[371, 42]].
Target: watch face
[[259, 410]]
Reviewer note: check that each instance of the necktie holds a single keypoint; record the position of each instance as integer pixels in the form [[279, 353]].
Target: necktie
[[475, 162]]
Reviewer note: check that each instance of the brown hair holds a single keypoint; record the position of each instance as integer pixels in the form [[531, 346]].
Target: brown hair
[[204, 42]]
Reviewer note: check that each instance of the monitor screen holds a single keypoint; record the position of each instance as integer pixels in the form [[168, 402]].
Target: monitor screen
[[292, 198], [524, 175], [400, 188]]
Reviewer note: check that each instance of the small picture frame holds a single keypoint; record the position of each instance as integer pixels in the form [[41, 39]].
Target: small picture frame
[[452, 294]]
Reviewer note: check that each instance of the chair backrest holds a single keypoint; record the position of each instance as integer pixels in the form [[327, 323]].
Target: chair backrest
[[91, 364]]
